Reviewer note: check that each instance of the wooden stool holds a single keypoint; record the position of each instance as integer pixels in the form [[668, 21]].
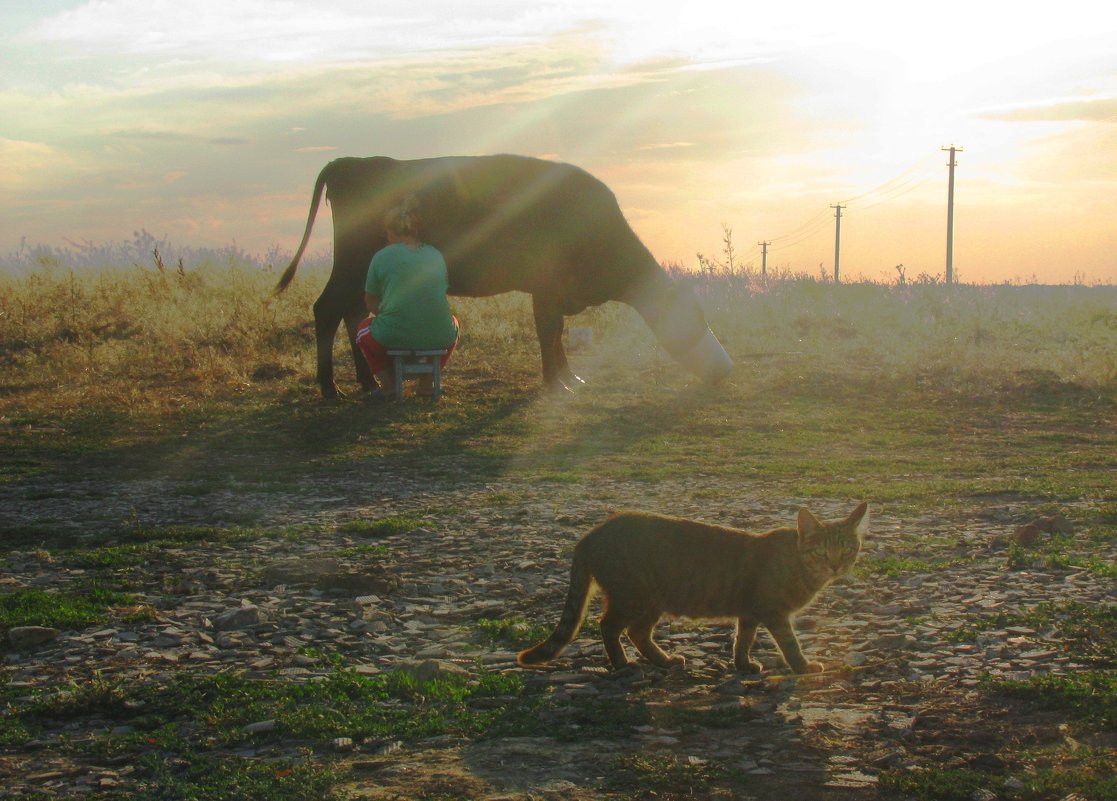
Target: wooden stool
[[417, 362]]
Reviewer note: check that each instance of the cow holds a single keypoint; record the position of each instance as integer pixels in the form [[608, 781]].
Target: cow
[[503, 223]]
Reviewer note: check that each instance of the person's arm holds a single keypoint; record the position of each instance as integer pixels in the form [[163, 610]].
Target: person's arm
[[372, 303]]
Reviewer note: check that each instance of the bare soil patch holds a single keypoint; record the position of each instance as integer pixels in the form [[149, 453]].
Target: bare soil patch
[[902, 691]]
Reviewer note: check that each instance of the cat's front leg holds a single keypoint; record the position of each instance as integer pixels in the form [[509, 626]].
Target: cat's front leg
[[789, 647], [742, 647]]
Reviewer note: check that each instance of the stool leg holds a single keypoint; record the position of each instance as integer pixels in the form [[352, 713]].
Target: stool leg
[[398, 361], [436, 376]]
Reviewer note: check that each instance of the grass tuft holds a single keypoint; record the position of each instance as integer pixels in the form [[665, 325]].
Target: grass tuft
[[383, 527], [61, 610], [513, 633]]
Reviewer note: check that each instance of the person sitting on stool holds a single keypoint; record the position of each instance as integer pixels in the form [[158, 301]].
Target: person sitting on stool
[[405, 293]]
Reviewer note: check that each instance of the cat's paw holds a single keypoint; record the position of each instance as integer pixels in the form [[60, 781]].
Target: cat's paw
[[813, 667], [748, 666], [678, 660]]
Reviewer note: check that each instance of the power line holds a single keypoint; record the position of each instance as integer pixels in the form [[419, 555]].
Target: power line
[[910, 185], [899, 185], [821, 216], [823, 222], [921, 168]]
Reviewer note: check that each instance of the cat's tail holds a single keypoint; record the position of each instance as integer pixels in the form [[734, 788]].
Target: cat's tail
[[577, 599]]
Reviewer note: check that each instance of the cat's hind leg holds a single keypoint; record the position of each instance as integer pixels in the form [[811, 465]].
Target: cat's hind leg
[[640, 632], [612, 626], [742, 646]]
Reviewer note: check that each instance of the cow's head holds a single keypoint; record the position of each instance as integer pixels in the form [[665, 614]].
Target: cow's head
[[676, 318]]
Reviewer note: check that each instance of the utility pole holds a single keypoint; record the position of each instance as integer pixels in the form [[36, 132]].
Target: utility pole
[[950, 215], [764, 257], [837, 240]]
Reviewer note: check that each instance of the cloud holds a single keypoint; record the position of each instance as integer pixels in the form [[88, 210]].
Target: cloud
[[290, 30], [1064, 109], [13, 150], [150, 181], [153, 135], [164, 136], [667, 146], [28, 165], [266, 32]]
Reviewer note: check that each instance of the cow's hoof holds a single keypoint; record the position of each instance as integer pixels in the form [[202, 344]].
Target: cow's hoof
[[568, 383], [557, 387], [331, 392]]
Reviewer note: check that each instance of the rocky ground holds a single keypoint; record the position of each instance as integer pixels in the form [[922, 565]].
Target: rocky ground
[[900, 689]]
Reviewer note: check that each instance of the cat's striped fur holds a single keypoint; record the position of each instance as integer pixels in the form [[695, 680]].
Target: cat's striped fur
[[649, 565]]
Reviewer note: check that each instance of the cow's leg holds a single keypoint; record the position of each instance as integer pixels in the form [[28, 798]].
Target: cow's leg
[[548, 325], [328, 312], [567, 377], [353, 319]]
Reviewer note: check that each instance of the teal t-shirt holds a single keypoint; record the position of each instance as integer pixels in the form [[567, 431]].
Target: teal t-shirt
[[411, 285]]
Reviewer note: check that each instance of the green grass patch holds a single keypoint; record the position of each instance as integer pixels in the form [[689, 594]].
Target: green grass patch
[[894, 565], [514, 633], [934, 784], [382, 527], [61, 610], [343, 703], [669, 776], [366, 549], [1090, 695], [119, 543], [170, 778], [180, 727], [1052, 555], [1086, 631], [1088, 775]]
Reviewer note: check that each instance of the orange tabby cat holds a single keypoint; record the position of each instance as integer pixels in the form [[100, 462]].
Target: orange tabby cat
[[649, 565]]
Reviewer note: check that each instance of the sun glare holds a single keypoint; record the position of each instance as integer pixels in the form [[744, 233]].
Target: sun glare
[[696, 114]]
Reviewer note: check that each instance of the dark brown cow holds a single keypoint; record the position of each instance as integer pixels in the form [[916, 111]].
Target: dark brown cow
[[503, 223]]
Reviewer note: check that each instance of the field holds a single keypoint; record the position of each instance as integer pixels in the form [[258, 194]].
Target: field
[[214, 585]]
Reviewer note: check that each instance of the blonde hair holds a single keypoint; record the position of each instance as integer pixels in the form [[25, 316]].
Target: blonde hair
[[403, 220]]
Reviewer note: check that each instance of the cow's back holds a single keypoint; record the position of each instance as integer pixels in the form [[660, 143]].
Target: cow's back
[[503, 223]]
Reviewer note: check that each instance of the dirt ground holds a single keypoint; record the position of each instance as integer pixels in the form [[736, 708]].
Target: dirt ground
[[899, 693]]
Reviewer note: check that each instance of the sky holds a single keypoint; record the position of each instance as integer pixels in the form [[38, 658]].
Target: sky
[[206, 122]]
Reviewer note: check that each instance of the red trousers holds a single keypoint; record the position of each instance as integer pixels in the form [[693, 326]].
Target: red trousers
[[376, 354]]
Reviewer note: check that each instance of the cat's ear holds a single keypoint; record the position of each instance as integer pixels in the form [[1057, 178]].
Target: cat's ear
[[859, 519], [808, 524]]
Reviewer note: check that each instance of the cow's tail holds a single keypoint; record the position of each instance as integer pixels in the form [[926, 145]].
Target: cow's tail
[[289, 273], [577, 599]]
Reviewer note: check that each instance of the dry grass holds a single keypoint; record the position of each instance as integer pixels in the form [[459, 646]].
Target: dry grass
[[146, 336]]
